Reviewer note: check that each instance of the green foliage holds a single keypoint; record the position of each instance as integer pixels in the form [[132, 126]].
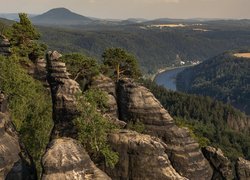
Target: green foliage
[[136, 126], [23, 38], [121, 64], [81, 67], [224, 77], [206, 118], [93, 127], [30, 106]]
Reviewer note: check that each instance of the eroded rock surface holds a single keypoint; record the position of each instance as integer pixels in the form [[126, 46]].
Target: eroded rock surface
[[108, 86], [66, 159], [14, 161], [221, 164], [63, 91], [243, 169], [136, 103], [141, 157]]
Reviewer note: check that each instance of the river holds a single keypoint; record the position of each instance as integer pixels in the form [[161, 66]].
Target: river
[[168, 78]]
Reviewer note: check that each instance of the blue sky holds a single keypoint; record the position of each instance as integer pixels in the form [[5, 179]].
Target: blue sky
[[150, 9]]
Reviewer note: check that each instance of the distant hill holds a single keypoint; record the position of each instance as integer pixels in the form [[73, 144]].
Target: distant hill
[[61, 16], [6, 21], [225, 77]]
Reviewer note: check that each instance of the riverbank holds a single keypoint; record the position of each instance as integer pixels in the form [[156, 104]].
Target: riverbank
[[168, 69]]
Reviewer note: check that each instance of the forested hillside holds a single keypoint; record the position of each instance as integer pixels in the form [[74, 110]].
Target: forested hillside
[[154, 47], [224, 77], [207, 118]]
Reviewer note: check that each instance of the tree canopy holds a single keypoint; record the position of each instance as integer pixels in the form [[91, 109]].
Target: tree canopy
[[23, 38], [121, 63]]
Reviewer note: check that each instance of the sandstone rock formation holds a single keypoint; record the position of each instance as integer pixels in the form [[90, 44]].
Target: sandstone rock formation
[[243, 169], [141, 157], [221, 164], [14, 161], [136, 103], [63, 91], [4, 46], [66, 159], [108, 86]]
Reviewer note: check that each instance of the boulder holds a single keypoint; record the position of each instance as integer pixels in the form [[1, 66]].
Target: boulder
[[243, 169], [221, 165], [140, 157], [66, 159], [136, 103]]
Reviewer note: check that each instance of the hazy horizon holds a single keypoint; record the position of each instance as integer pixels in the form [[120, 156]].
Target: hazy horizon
[[148, 9]]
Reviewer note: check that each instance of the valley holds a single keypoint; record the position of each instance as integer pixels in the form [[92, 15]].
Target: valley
[[91, 98]]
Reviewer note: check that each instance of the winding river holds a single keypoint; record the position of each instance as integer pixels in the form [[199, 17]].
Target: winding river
[[168, 78]]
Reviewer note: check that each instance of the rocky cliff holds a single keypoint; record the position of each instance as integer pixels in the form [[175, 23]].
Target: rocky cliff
[[163, 151], [15, 162], [141, 157], [221, 165], [136, 103], [65, 158], [63, 91]]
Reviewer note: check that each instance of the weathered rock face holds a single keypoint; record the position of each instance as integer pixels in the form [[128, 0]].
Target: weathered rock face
[[141, 157], [63, 91], [4, 46], [66, 159], [243, 169], [221, 165], [108, 86], [14, 161], [137, 103]]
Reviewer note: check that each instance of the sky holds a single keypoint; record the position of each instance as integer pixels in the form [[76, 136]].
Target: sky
[[149, 9]]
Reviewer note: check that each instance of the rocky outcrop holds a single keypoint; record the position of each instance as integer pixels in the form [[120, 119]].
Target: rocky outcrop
[[63, 91], [136, 103], [141, 157], [243, 169], [66, 159], [4, 46], [108, 86], [221, 165], [14, 160]]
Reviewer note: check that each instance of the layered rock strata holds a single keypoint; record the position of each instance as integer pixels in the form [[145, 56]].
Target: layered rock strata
[[221, 165], [65, 158], [136, 103], [141, 157], [63, 92]]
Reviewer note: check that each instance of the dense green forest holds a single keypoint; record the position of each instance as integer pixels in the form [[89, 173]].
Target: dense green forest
[[206, 118], [224, 77], [154, 47]]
